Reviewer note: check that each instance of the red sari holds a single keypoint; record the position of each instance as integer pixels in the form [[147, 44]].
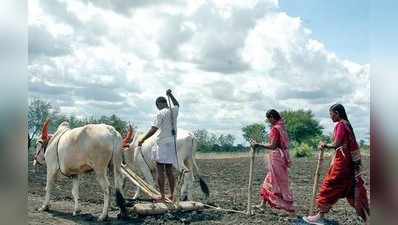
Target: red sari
[[340, 181], [275, 189]]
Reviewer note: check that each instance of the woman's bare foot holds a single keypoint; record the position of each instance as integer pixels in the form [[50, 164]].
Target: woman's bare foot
[[278, 212], [315, 219], [260, 206]]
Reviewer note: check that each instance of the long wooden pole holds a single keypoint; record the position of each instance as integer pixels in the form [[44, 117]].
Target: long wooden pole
[[140, 183], [316, 182], [249, 190], [180, 174]]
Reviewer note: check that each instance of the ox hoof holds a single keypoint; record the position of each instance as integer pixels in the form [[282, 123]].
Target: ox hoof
[[121, 216], [44, 208], [77, 212], [184, 198], [103, 218]]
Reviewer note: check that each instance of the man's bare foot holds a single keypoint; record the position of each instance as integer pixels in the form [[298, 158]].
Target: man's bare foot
[[171, 197]]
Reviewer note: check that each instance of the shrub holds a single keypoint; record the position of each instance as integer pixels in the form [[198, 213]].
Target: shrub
[[302, 150]]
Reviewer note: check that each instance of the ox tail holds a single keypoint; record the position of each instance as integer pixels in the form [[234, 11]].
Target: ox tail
[[117, 173], [203, 185]]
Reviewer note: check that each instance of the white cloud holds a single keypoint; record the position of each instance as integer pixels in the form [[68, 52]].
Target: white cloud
[[227, 62]]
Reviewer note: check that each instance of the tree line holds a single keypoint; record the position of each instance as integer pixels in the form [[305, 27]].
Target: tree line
[[304, 130], [39, 111]]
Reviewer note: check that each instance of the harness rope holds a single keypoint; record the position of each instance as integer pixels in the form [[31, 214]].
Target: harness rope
[[139, 149], [56, 150]]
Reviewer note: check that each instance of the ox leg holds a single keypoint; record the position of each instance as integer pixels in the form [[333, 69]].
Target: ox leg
[[137, 193], [49, 186], [75, 193], [186, 190], [105, 185], [189, 179]]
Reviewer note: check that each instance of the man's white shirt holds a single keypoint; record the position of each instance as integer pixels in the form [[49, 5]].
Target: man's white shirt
[[162, 121]]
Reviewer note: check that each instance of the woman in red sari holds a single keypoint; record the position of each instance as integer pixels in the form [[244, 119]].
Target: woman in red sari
[[343, 179], [275, 189]]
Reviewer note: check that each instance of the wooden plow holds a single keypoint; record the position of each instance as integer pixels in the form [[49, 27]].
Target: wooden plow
[[146, 209]]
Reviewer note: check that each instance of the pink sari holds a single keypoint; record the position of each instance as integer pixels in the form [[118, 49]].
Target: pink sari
[[275, 189]]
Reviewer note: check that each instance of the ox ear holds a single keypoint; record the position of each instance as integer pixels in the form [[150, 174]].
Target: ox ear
[[44, 132], [129, 137]]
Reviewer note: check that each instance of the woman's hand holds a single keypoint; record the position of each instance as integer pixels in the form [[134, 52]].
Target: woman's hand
[[322, 145], [254, 144]]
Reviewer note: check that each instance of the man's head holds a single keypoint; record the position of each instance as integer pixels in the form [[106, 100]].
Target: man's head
[[161, 102]]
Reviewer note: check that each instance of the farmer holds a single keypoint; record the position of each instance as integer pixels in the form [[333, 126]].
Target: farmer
[[275, 189], [343, 178], [163, 151]]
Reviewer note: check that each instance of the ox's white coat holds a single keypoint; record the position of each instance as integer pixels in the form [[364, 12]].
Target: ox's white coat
[[186, 149], [80, 150]]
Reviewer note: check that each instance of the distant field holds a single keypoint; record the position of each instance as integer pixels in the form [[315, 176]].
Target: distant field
[[230, 155]]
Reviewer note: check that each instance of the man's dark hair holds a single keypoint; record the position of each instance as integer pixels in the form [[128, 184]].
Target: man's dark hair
[[160, 100]]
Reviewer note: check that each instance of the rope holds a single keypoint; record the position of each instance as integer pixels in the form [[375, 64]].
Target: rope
[[224, 210], [56, 150]]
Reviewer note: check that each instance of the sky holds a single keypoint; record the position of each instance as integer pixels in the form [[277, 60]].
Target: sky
[[343, 26], [227, 62]]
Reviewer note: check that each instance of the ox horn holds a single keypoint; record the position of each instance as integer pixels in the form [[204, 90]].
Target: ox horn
[[44, 133], [129, 136]]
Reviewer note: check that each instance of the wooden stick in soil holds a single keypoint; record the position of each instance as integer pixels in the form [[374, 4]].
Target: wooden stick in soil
[[224, 210], [249, 191], [316, 182]]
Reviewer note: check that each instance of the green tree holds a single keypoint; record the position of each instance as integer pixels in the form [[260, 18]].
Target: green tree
[[38, 112], [226, 142], [203, 140], [301, 125], [210, 142], [256, 132], [120, 125]]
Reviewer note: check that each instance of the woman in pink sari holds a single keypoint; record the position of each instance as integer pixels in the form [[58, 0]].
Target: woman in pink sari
[[275, 189]]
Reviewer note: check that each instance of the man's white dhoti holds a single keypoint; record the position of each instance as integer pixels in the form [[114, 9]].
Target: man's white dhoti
[[164, 150], [164, 153]]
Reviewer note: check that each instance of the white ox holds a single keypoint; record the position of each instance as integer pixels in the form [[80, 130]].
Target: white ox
[[73, 152], [186, 149]]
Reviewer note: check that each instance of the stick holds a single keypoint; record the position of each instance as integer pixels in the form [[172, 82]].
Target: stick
[[139, 182], [316, 181], [224, 210], [142, 187], [180, 174], [249, 191]]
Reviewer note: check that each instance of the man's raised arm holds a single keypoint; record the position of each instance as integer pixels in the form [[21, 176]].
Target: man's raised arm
[[174, 100]]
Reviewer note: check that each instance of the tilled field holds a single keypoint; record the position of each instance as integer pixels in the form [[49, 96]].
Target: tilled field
[[227, 180]]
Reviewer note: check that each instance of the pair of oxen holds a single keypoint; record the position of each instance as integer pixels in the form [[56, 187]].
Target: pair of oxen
[[97, 147]]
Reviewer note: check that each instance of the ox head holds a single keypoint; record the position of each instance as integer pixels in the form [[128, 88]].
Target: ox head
[[41, 144], [128, 139]]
